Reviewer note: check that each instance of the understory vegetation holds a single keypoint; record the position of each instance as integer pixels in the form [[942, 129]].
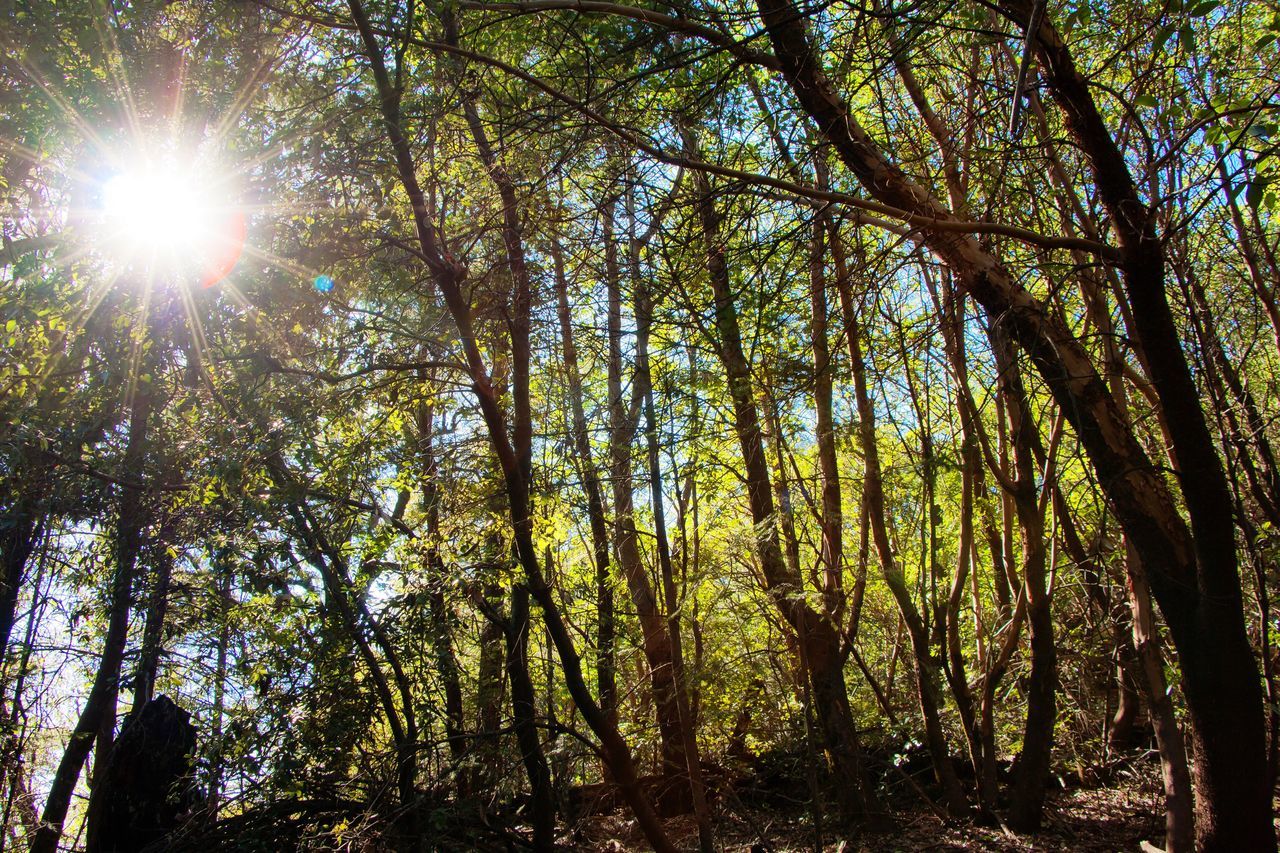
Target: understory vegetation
[[493, 424]]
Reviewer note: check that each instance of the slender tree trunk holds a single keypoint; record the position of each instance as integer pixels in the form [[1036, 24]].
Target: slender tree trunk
[[832, 548], [606, 678], [1120, 731], [438, 612], [822, 651], [524, 711], [873, 496], [13, 769], [952, 312], [693, 761], [957, 675], [781, 484], [1193, 570], [130, 522], [623, 420], [223, 591], [1026, 811], [517, 659], [449, 274], [355, 620], [440, 617], [144, 679]]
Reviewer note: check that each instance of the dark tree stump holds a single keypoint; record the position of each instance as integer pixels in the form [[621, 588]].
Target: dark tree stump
[[149, 778]]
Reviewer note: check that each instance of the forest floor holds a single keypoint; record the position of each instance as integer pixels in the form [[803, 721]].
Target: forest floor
[[1117, 818]]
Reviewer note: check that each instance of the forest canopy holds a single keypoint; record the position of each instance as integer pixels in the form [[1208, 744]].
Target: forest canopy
[[440, 424]]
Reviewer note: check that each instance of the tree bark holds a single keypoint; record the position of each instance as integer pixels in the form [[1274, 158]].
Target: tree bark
[[693, 761], [623, 421], [144, 678], [821, 639], [1192, 569], [448, 274], [484, 768], [1027, 809], [522, 692], [606, 668], [439, 615], [832, 548], [524, 712], [873, 497], [952, 312], [1221, 685], [130, 524]]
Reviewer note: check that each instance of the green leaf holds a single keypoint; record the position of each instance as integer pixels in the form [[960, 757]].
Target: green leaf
[[1254, 192], [1187, 38]]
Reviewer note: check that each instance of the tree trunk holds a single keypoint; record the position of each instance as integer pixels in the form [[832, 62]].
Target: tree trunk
[[822, 648], [873, 496], [20, 535], [1026, 811], [1221, 685], [1192, 570], [623, 420], [438, 613], [144, 678], [100, 704], [606, 678], [484, 768], [693, 762], [524, 712], [1179, 818], [522, 692], [148, 783], [449, 274], [952, 311], [223, 592]]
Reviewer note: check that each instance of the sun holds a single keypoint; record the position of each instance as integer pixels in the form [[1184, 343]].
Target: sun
[[172, 217]]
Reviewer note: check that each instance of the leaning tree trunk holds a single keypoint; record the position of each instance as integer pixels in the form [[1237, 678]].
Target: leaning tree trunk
[[1223, 693], [449, 275], [130, 522], [1193, 569], [1136, 674], [819, 637], [873, 497]]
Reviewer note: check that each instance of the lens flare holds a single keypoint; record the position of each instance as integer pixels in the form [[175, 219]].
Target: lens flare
[[173, 218]]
